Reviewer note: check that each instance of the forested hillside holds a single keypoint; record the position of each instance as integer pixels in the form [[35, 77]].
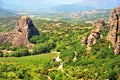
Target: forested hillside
[[60, 40]]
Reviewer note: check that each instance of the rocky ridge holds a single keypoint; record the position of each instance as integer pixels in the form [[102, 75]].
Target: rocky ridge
[[94, 35], [113, 34]]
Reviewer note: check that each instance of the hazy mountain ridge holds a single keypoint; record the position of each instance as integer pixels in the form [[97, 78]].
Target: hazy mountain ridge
[[66, 12], [5, 12], [73, 7]]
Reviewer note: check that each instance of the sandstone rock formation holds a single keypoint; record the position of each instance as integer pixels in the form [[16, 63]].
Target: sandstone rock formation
[[23, 31], [114, 33], [94, 35]]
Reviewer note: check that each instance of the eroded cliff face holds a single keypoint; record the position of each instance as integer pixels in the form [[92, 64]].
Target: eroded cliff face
[[114, 33], [23, 31]]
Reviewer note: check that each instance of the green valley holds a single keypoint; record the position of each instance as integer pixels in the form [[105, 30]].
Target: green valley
[[60, 40]]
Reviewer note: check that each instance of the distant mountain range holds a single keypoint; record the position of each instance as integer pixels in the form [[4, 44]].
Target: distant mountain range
[[74, 8], [65, 12]]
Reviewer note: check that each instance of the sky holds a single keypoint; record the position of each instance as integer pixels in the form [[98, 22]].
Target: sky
[[38, 4], [34, 3]]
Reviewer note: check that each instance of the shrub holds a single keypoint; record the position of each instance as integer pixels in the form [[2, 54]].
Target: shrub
[[19, 53], [1, 54], [6, 55], [38, 39], [43, 48], [22, 74], [105, 31], [5, 46], [14, 48], [111, 75], [67, 54]]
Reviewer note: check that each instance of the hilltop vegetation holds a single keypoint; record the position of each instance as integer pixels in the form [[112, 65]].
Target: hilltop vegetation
[[65, 38], [7, 24]]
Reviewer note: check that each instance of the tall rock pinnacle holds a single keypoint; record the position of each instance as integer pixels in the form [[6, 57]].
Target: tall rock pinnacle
[[23, 31], [114, 33]]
